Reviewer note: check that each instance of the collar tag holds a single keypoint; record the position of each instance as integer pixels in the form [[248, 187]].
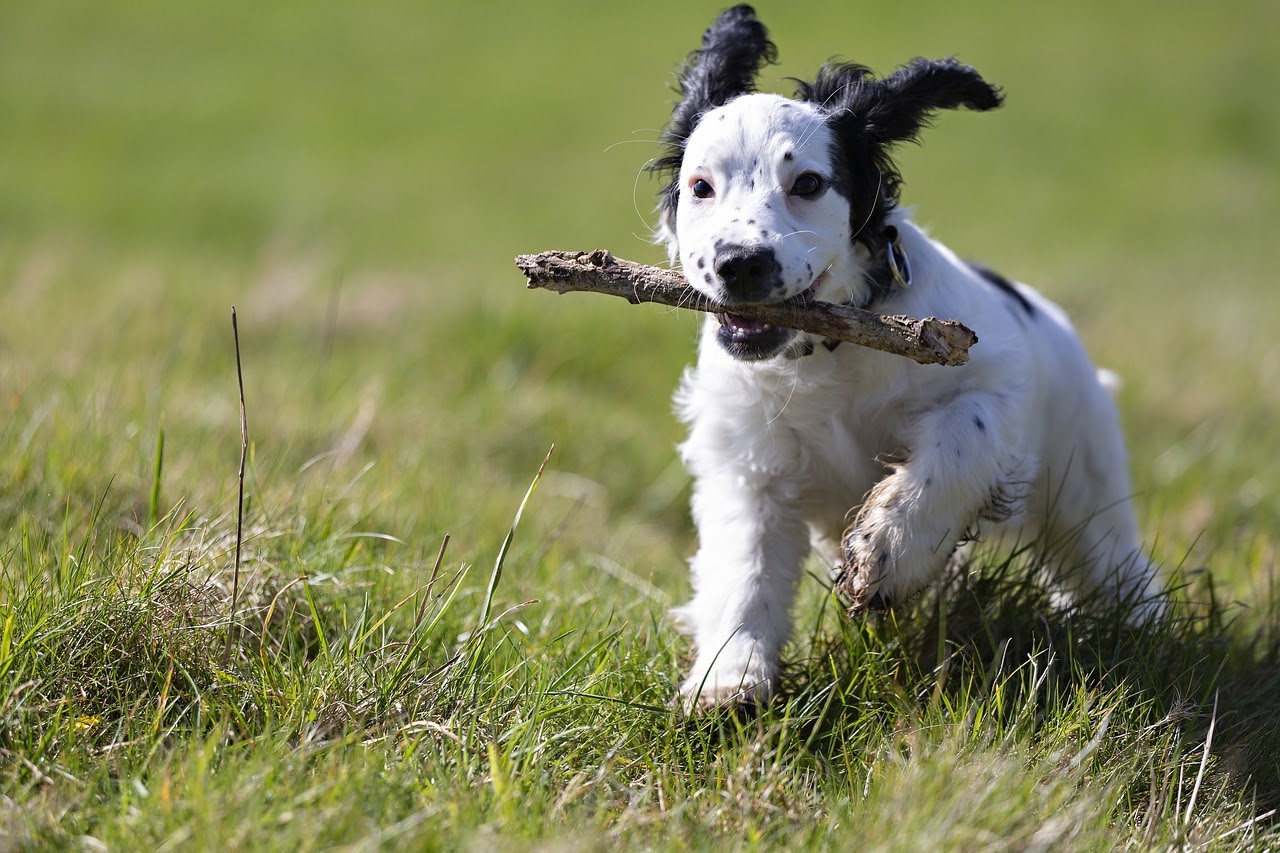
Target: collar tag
[[898, 264]]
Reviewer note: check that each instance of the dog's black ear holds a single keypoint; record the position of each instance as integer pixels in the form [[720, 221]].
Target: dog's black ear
[[733, 49], [896, 108], [909, 97], [869, 116]]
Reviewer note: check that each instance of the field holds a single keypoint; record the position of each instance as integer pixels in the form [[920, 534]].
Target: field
[[398, 663]]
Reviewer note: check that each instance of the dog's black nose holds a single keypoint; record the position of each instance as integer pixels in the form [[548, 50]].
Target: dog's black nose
[[749, 273]]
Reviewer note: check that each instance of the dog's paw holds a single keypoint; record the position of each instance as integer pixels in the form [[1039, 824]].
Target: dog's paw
[[715, 702], [896, 547], [861, 581], [708, 696], [872, 549]]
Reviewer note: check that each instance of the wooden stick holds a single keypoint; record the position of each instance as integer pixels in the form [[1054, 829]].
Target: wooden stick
[[927, 341]]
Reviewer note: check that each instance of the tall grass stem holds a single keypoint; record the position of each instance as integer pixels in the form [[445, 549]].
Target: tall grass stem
[[244, 452]]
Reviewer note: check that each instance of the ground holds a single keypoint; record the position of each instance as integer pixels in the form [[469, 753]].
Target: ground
[[355, 181]]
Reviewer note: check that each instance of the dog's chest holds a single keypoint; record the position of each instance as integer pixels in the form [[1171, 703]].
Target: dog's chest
[[831, 435]]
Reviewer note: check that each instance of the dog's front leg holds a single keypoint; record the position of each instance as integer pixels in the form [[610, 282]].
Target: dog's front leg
[[962, 464], [751, 544]]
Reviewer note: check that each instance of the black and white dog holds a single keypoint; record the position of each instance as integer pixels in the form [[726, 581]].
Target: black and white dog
[[772, 198]]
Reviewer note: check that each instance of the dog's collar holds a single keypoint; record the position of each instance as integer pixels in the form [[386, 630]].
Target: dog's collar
[[892, 272]]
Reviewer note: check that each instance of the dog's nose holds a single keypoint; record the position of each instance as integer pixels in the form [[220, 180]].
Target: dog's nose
[[749, 273]]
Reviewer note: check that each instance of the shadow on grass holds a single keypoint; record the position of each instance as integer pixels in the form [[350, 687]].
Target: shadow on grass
[[998, 653]]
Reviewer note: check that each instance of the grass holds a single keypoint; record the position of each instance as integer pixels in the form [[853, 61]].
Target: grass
[[355, 183]]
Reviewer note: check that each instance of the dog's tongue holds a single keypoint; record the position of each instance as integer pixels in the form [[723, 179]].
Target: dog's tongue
[[740, 325]]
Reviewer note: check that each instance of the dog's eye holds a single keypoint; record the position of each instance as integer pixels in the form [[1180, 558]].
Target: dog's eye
[[702, 189], [807, 185]]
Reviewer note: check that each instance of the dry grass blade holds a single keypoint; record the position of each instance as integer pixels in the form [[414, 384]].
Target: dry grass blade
[[244, 452]]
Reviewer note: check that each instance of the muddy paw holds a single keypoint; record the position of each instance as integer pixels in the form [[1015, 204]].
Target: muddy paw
[[866, 566], [859, 592]]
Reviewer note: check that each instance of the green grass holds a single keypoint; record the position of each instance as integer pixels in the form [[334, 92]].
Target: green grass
[[355, 180]]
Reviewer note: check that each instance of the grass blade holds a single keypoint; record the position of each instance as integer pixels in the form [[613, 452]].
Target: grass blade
[[487, 607]]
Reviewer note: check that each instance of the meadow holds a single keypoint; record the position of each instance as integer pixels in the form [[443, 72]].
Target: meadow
[[433, 641]]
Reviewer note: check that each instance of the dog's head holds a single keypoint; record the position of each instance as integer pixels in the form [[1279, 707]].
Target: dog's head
[[772, 197]]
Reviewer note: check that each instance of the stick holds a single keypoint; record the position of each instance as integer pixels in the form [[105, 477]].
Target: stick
[[927, 341]]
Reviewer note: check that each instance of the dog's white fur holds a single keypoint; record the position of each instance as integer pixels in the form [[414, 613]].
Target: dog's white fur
[[1024, 437]]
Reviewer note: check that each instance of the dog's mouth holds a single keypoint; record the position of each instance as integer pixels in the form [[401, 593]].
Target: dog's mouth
[[751, 340], [743, 329], [754, 340]]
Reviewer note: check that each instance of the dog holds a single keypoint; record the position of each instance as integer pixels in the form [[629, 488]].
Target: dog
[[773, 198]]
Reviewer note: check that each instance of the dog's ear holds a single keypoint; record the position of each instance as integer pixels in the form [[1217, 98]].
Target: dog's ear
[[733, 49], [908, 98], [870, 116], [896, 108]]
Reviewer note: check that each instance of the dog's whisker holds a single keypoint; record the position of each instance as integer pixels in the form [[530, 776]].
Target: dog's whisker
[[794, 376], [815, 124], [875, 201], [657, 140], [635, 193]]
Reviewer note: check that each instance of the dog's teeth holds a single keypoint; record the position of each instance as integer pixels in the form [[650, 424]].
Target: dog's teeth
[[741, 327]]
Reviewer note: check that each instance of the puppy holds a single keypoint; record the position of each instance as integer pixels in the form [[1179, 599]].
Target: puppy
[[790, 435]]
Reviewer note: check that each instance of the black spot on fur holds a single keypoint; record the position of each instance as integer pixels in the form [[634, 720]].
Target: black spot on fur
[[702, 262], [708, 278], [977, 421], [1005, 286], [751, 222], [788, 156]]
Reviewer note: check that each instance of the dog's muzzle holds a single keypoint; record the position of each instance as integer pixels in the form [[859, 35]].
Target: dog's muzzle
[[748, 273]]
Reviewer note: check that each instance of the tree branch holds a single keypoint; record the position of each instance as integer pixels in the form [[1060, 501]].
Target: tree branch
[[927, 341]]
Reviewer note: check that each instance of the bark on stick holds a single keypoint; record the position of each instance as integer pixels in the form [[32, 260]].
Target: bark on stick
[[927, 341]]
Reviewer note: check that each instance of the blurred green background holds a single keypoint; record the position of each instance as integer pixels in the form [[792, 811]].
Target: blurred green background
[[357, 177], [438, 134]]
